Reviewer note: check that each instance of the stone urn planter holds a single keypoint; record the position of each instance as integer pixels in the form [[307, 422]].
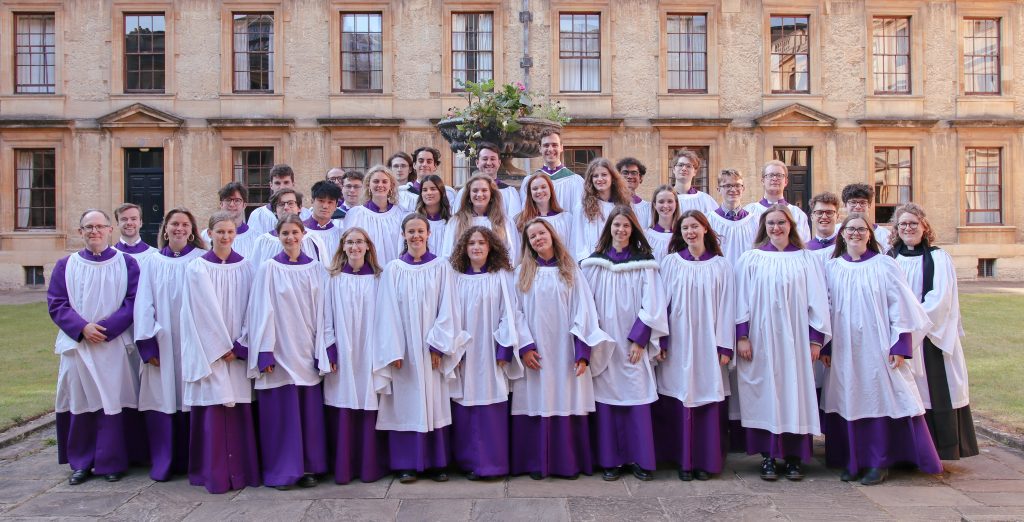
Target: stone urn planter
[[523, 143]]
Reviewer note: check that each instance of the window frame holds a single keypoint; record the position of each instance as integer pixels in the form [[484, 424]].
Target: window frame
[[876, 90], [253, 203], [272, 52], [28, 227], [600, 52], [124, 52], [911, 151], [707, 52], [341, 52], [121, 8], [450, 49], [598, 149], [227, 76], [15, 54], [370, 163], [999, 58], [811, 41], [1002, 150]]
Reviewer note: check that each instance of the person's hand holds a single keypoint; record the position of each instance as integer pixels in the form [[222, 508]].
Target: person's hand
[[745, 348], [581, 366], [94, 333], [228, 357], [397, 364], [662, 355], [895, 361], [334, 367], [154, 361], [636, 352], [435, 360], [723, 359], [826, 360], [502, 363], [270, 369], [532, 360], [815, 351]]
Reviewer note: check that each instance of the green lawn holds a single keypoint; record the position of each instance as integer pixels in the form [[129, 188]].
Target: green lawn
[[994, 323]]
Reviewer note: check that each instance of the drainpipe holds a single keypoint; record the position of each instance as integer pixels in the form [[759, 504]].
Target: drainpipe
[[526, 62]]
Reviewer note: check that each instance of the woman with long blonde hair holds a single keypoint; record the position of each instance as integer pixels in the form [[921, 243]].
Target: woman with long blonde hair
[[380, 215], [550, 404], [482, 206], [603, 190]]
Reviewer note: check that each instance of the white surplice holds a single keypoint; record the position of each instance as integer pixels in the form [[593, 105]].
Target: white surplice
[[510, 200], [285, 317], [643, 211], [158, 309], [416, 311], [701, 319], [586, 232], [943, 307], [435, 243], [555, 313], [701, 201], [871, 306], [735, 237], [327, 239], [96, 376], [659, 242], [242, 245], [623, 293], [561, 222], [216, 296], [488, 302], [781, 294], [350, 303], [448, 244], [384, 229], [803, 228]]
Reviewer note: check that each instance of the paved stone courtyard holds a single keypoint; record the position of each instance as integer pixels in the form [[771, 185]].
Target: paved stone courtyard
[[987, 487]]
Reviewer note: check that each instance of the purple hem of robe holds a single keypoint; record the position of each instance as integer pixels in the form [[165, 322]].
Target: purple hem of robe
[[99, 442], [558, 445], [690, 438], [737, 434], [223, 455], [480, 438], [355, 449], [292, 435], [415, 451], [168, 435], [623, 435], [779, 445], [879, 442]]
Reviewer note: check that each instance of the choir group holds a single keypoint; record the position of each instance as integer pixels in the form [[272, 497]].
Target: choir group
[[398, 326]]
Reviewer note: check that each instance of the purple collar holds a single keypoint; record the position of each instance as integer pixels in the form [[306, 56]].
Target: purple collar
[[657, 228], [685, 254], [242, 228], [434, 217], [427, 257], [501, 184], [366, 269], [765, 203], [233, 257], [282, 258], [617, 257], [270, 208], [312, 224], [731, 215], [470, 271], [102, 256], [636, 199], [167, 252], [769, 247], [692, 190], [546, 262], [551, 213], [137, 248], [819, 243], [868, 254], [373, 206], [549, 170]]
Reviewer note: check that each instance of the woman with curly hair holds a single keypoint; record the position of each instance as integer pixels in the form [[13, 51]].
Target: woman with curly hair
[[603, 189], [551, 402], [486, 294], [481, 205]]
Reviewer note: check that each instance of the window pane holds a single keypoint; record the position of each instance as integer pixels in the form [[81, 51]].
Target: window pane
[[253, 52], [35, 190], [472, 48], [251, 167], [34, 53], [983, 185], [579, 52], [362, 52], [790, 54], [981, 55], [687, 53]]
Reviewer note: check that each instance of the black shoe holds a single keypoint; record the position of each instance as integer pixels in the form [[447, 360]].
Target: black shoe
[[611, 474], [846, 476], [288, 487], [874, 476], [79, 476], [114, 477], [641, 473], [536, 475], [406, 477], [440, 476], [700, 474], [768, 469], [793, 471], [472, 476], [307, 481], [574, 476], [685, 476]]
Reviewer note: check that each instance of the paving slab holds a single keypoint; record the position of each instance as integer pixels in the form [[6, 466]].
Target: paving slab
[[456, 487], [886, 495], [615, 509], [983, 466], [13, 490], [133, 482], [666, 483], [1009, 457], [828, 506], [998, 499], [352, 510], [226, 511], [584, 486], [991, 514], [924, 514], [989, 486], [721, 507], [326, 490], [521, 509], [42, 465], [152, 506], [429, 510], [71, 505]]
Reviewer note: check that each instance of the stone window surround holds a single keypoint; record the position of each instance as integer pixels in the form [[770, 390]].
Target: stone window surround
[[810, 9], [20, 139], [117, 80], [883, 8], [227, 10], [711, 13], [1005, 152], [498, 21], [337, 8], [1006, 49], [8, 11], [559, 7]]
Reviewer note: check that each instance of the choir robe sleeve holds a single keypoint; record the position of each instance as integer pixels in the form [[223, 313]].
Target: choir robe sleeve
[[819, 315], [943, 305], [741, 310], [448, 242], [329, 352], [146, 325], [725, 324], [513, 331], [586, 326], [204, 336], [654, 311], [119, 321], [260, 318], [59, 305], [446, 334], [320, 346], [906, 315], [387, 337]]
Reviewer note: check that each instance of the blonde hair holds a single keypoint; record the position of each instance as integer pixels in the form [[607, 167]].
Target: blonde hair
[[530, 207], [654, 201], [528, 266], [341, 258], [495, 210], [392, 193]]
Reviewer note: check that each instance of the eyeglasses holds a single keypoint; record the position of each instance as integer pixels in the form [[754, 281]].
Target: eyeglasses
[[94, 228], [630, 173], [731, 186], [234, 201], [826, 213], [855, 231], [858, 202], [355, 242], [684, 166], [780, 224], [907, 225], [336, 179], [286, 204], [775, 175]]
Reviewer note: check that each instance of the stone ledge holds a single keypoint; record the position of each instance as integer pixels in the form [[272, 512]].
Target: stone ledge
[[594, 122], [219, 123], [21, 431], [985, 123], [362, 122], [690, 122], [898, 123], [34, 123]]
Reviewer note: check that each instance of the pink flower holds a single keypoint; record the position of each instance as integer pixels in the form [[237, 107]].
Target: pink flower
[[520, 86]]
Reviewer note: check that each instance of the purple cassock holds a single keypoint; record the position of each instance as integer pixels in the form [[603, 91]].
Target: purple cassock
[[94, 440]]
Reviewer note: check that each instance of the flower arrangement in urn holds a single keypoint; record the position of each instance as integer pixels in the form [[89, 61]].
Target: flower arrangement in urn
[[509, 116]]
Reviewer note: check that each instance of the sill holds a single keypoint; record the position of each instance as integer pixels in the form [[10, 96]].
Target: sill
[[146, 95], [894, 96], [32, 232], [34, 96], [360, 93], [244, 95], [987, 228], [582, 94]]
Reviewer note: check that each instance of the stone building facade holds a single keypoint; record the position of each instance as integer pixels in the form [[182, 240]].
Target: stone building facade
[[162, 102]]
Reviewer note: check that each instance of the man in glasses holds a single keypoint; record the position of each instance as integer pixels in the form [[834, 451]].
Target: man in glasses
[[775, 177], [264, 219], [824, 218], [685, 166], [633, 172], [351, 190], [233, 197], [860, 197]]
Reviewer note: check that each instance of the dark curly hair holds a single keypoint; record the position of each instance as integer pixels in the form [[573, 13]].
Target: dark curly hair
[[497, 257]]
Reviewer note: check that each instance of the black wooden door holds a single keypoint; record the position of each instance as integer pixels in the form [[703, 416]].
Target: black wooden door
[[798, 159], [144, 186]]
